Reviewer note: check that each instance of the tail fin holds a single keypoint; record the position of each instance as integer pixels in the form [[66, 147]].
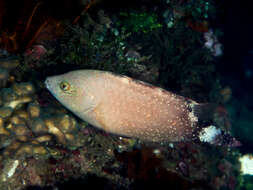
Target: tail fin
[[207, 130], [204, 112]]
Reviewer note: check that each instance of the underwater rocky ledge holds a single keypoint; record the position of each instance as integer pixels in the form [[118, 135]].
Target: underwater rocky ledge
[[44, 146], [169, 43]]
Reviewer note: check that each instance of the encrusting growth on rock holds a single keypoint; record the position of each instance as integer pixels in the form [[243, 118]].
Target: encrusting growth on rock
[[26, 129]]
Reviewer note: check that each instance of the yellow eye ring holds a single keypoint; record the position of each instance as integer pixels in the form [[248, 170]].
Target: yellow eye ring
[[65, 86]]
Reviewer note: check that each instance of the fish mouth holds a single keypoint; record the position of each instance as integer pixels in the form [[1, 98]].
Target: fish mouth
[[47, 83]]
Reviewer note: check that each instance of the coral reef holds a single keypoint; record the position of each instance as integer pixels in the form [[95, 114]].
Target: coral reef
[[164, 42], [23, 131], [43, 144], [28, 131]]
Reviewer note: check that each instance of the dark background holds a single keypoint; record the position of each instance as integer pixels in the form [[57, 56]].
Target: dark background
[[238, 48]]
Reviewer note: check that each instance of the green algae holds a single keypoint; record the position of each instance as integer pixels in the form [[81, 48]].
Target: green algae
[[139, 22]]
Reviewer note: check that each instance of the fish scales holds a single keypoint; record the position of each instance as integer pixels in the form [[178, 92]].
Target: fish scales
[[124, 106], [136, 109]]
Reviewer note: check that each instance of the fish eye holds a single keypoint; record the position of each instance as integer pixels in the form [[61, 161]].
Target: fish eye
[[65, 86]]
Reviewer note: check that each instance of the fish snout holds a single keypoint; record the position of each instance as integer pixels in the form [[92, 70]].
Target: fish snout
[[47, 83]]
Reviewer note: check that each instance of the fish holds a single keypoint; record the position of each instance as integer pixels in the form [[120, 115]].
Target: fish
[[132, 108]]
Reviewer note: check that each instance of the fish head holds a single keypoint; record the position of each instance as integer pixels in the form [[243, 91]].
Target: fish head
[[72, 91]]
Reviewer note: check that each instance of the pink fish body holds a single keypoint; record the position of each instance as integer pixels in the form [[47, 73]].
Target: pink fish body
[[124, 106]]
